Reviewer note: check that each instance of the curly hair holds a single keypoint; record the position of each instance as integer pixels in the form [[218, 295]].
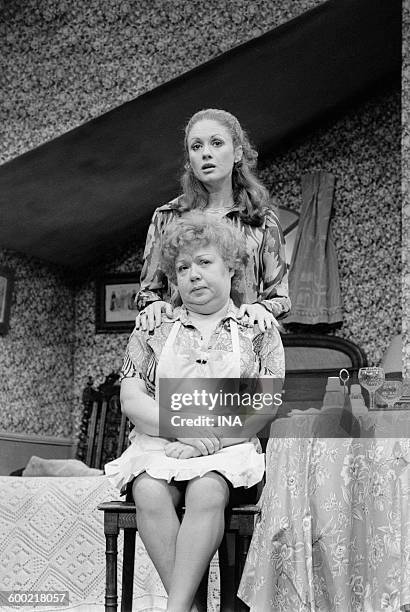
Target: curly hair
[[249, 193], [196, 229]]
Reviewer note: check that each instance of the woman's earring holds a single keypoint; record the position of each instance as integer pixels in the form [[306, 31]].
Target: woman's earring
[[187, 166]]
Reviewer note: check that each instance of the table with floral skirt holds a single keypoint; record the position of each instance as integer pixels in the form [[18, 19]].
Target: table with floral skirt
[[334, 529]]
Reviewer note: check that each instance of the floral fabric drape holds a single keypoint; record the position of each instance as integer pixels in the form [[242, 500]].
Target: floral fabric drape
[[313, 276], [334, 529]]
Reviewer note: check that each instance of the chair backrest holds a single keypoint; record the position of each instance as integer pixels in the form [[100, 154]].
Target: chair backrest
[[310, 359], [104, 429]]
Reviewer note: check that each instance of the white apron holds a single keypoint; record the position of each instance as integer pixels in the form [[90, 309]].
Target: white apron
[[241, 464]]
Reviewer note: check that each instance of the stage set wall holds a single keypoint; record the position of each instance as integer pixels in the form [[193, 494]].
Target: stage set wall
[[98, 57]]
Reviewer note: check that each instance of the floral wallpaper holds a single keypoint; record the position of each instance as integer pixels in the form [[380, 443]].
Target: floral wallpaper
[[406, 185], [68, 62], [36, 356]]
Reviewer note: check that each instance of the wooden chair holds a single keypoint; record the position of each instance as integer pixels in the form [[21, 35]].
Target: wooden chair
[[104, 429], [122, 515]]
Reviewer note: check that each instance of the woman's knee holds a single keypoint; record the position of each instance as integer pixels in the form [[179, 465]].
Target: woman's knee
[[151, 494], [207, 493]]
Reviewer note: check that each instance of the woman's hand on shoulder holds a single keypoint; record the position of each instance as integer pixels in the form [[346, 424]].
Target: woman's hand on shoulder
[[151, 316], [179, 450], [258, 314]]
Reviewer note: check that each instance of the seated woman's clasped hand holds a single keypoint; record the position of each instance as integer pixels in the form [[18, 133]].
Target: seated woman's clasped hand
[[181, 450]]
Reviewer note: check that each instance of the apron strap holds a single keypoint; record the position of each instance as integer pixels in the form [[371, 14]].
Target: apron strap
[[234, 336], [165, 349], [173, 334]]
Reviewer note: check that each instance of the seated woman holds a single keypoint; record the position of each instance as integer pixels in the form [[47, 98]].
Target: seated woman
[[204, 338]]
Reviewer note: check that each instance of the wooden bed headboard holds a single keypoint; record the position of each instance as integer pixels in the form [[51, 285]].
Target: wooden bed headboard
[[312, 352], [309, 360]]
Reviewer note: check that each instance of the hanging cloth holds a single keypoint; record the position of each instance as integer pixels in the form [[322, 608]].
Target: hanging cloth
[[313, 275]]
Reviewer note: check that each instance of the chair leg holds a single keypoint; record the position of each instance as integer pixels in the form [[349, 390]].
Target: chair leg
[[111, 531], [242, 548], [226, 577], [128, 570]]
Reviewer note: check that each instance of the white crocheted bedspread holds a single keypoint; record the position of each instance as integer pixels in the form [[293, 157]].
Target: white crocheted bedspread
[[52, 539]]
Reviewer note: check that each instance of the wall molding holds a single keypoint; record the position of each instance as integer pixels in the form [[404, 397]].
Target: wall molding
[[16, 449], [36, 439]]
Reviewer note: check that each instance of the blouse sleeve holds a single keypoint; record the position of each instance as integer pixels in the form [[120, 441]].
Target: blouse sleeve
[[153, 280], [136, 357], [275, 292]]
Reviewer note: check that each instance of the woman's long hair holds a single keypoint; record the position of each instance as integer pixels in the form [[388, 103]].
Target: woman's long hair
[[249, 194]]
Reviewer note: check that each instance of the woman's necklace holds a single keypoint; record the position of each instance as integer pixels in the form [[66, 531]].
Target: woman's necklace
[[222, 206], [221, 211]]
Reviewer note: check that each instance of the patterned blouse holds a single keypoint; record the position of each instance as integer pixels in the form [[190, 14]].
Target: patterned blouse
[[261, 354], [264, 277]]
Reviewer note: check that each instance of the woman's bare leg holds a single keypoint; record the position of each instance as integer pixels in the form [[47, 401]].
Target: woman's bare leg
[[199, 536], [158, 523]]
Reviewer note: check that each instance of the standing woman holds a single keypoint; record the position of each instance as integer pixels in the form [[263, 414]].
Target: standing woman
[[219, 177]]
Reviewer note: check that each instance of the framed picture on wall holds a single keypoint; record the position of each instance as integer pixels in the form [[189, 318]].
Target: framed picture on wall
[[115, 310], [6, 288]]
